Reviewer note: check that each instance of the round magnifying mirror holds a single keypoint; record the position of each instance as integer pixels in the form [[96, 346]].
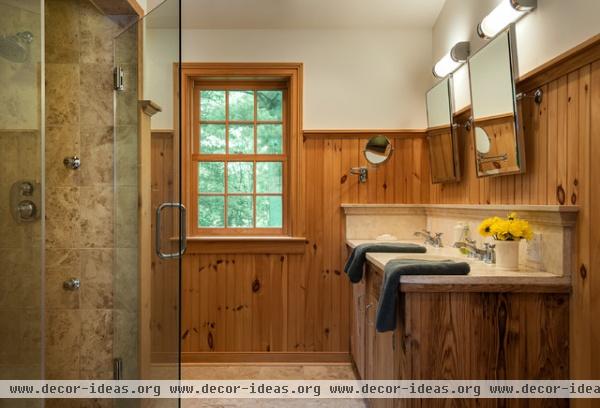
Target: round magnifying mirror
[[378, 150], [482, 141]]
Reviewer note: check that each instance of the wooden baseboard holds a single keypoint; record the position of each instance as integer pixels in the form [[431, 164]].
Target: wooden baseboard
[[267, 357]]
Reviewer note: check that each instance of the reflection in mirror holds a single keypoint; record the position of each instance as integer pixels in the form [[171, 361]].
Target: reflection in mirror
[[441, 135], [482, 141], [378, 150], [498, 141]]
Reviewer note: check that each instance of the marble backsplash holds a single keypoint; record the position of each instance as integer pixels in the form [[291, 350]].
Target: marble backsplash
[[555, 224]]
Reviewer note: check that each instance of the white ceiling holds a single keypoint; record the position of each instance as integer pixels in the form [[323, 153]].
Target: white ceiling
[[296, 14]]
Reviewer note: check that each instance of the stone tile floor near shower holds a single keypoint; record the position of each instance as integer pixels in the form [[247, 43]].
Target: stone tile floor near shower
[[270, 372]]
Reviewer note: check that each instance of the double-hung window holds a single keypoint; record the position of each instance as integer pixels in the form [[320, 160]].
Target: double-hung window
[[240, 157]]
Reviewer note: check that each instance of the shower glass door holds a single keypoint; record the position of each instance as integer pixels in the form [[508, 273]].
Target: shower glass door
[[21, 193], [148, 290]]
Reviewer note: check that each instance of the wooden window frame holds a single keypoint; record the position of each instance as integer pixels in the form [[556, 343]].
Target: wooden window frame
[[198, 157], [236, 76]]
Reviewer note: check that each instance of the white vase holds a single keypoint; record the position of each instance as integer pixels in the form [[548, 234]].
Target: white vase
[[507, 254]]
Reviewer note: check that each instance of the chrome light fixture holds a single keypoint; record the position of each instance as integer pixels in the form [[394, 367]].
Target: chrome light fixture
[[507, 12], [454, 59]]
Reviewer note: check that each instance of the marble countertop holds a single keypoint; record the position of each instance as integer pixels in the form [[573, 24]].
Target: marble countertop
[[483, 277]]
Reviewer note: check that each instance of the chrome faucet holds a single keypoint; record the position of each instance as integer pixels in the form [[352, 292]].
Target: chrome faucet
[[486, 254], [433, 240], [490, 253], [471, 247]]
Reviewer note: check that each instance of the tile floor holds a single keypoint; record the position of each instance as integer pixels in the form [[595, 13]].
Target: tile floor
[[270, 372]]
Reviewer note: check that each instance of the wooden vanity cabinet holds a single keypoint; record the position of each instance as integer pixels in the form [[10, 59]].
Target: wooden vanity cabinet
[[455, 333], [379, 347], [357, 333], [372, 352]]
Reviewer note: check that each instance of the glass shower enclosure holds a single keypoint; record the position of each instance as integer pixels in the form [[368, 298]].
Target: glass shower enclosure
[[21, 195], [158, 286], [79, 297]]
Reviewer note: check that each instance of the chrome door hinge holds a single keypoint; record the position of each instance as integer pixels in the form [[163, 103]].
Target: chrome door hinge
[[118, 76], [118, 368]]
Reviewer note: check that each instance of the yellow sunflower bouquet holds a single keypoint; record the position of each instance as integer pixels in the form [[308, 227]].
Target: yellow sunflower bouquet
[[511, 228]]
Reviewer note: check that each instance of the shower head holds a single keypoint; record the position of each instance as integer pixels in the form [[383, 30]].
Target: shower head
[[15, 47]]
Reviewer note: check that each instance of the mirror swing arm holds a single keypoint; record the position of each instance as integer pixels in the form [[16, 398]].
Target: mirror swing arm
[[377, 151], [538, 96]]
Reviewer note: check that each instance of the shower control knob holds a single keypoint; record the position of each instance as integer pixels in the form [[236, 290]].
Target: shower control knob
[[26, 188], [72, 284], [73, 162], [26, 210]]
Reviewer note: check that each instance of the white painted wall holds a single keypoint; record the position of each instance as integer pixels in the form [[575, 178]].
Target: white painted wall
[[492, 79], [353, 79], [553, 28], [438, 105], [161, 50]]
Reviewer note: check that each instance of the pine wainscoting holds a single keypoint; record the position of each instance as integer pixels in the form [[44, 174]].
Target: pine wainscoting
[[261, 302]]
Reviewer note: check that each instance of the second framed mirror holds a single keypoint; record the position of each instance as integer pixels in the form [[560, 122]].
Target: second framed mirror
[[442, 134], [498, 139]]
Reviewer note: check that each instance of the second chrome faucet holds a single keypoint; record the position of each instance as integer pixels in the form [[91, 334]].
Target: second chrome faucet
[[434, 240], [486, 254]]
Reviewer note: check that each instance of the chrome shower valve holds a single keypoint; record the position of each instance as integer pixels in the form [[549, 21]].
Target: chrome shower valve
[[73, 162]]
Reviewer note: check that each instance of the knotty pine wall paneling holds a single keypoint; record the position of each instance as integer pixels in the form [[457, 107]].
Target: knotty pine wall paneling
[[300, 302], [553, 132], [297, 303], [164, 282], [562, 146]]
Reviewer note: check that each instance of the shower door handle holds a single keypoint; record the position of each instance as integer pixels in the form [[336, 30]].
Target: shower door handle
[[182, 226]]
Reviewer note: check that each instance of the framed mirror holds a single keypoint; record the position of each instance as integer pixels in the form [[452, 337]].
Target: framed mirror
[[497, 138], [378, 150], [441, 134]]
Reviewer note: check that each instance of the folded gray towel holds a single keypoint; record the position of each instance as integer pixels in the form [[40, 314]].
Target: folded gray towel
[[394, 269], [356, 261]]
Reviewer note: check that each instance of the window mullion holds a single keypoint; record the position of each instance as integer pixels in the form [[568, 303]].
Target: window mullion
[[227, 122], [226, 164], [226, 193], [254, 194], [198, 129], [254, 161]]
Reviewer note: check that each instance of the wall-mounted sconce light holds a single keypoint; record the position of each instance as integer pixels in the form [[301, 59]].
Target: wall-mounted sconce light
[[507, 12], [451, 61]]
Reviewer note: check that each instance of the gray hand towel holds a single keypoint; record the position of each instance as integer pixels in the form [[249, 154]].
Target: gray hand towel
[[394, 269], [356, 261]]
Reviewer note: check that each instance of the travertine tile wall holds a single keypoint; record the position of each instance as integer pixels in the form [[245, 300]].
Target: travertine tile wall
[[20, 82], [20, 266], [80, 204], [20, 245]]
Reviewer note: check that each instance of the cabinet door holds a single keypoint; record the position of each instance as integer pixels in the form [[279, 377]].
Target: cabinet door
[[357, 337], [370, 310], [379, 353], [384, 358]]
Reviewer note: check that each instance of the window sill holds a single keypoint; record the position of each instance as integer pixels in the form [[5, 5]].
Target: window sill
[[246, 245]]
